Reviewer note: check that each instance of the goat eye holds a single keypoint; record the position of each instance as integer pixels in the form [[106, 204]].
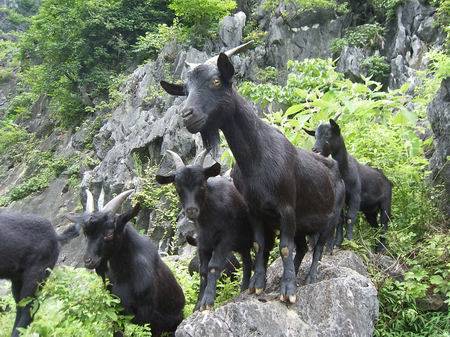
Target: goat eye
[[216, 83]]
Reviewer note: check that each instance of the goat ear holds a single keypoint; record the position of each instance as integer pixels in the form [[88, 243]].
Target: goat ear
[[335, 127], [310, 132], [212, 171], [226, 68], [173, 89], [165, 179], [123, 218]]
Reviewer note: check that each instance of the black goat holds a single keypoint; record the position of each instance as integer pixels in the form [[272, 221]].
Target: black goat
[[366, 189], [29, 246], [221, 214], [145, 285], [288, 188], [232, 264]]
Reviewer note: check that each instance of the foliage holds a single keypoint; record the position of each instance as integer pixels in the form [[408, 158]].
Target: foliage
[[268, 74], [308, 5], [385, 9], [226, 289], [152, 42], [45, 168], [74, 302], [201, 16], [252, 32], [78, 46], [7, 315], [377, 68], [10, 134], [442, 18], [14, 16], [381, 131], [363, 36]]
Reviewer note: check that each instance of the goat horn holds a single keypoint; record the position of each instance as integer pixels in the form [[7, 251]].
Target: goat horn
[[191, 65], [90, 207], [230, 52], [114, 204], [337, 116], [179, 164], [201, 158], [101, 200]]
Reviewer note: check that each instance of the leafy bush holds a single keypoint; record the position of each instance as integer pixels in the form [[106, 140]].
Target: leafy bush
[[74, 302], [376, 67], [364, 36], [81, 45], [152, 42], [44, 169], [10, 134], [308, 5], [385, 9], [201, 16]]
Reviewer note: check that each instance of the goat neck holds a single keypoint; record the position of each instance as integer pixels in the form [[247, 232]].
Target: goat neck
[[243, 134], [341, 156]]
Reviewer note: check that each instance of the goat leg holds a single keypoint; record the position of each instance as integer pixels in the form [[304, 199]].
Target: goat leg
[[215, 267], [317, 256], [300, 250], [203, 256], [288, 225], [246, 269], [258, 280], [353, 207]]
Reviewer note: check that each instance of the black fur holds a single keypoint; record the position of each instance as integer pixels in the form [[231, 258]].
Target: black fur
[[366, 189], [288, 188], [222, 221], [28, 247], [146, 287]]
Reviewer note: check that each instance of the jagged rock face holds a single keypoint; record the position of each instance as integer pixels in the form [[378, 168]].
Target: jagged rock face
[[439, 117], [413, 33], [350, 62], [343, 302], [231, 28]]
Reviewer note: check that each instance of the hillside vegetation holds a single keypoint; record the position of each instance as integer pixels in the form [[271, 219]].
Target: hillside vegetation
[[76, 54]]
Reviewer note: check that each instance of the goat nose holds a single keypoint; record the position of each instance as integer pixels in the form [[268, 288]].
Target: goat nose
[[192, 212], [187, 112], [315, 150]]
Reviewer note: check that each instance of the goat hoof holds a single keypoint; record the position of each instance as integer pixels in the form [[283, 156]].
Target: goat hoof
[[282, 298], [258, 291], [251, 290], [292, 299]]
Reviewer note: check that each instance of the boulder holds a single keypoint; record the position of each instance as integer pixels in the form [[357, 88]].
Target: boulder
[[350, 62], [231, 28], [439, 117], [343, 302]]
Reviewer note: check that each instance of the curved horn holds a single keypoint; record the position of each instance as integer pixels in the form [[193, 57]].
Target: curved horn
[[101, 200], [337, 116], [90, 207], [201, 158], [114, 204], [230, 52], [179, 164], [190, 65]]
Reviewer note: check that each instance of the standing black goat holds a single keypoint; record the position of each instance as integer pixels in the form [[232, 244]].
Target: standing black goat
[[29, 246], [221, 214], [366, 189], [145, 285], [288, 188]]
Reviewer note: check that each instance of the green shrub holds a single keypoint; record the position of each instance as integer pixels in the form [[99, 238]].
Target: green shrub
[[74, 302], [201, 16], [308, 5], [364, 36], [385, 9], [152, 42], [377, 67], [10, 134], [268, 74]]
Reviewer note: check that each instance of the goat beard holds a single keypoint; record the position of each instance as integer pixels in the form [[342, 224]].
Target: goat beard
[[211, 140]]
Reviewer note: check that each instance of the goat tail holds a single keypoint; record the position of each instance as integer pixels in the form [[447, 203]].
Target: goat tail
[[70, 233]]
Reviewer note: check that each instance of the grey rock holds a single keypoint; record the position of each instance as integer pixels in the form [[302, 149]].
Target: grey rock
[[388, 266], [231, 28], [439, 117], [5, 288], [350, 62], [342, 303]]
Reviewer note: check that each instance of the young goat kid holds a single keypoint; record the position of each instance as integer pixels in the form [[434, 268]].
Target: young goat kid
[[297, 191], [366, 189], [146, 287], [221, 214], [29, 247]]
